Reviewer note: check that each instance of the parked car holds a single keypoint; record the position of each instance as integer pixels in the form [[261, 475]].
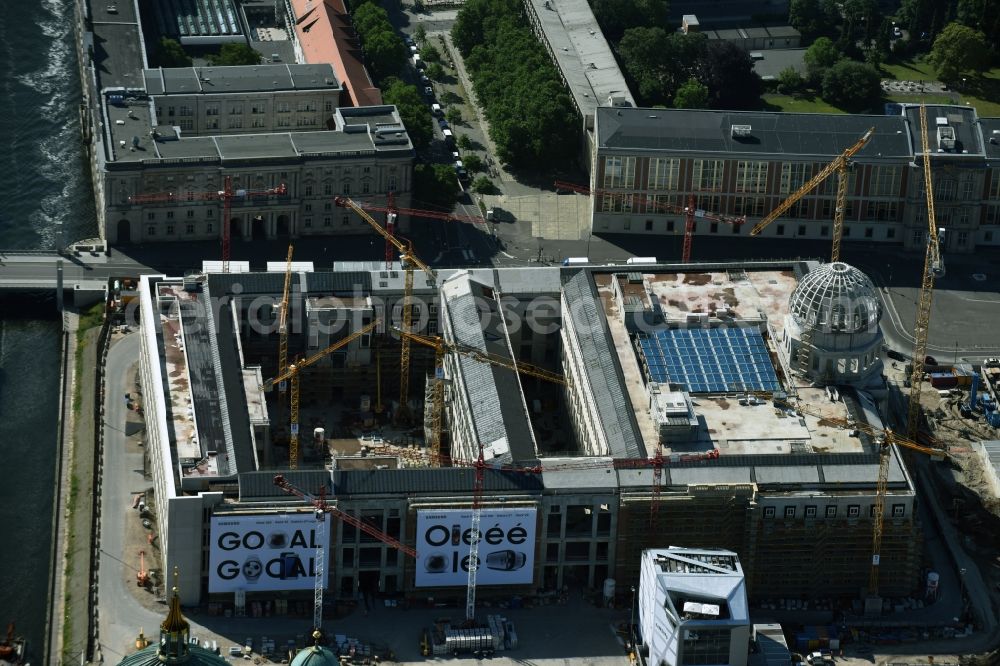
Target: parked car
[[429, 91], [443, 124], [408, 40], [436, 109]]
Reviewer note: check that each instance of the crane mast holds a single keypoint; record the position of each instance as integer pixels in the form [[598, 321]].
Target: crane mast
[[933, 268], [410, 261], [320, 568], [293, 374], [477, 512], [839, 165], [283, 329]]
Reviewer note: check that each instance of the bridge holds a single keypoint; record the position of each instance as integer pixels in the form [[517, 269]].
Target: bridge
[[72, 276]]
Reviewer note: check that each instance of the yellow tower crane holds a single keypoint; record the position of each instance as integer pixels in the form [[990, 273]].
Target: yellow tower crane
[[884, 439], [441, 346], [283, 330], [292, 373], [840, 165], [409, 261], [933, 268]]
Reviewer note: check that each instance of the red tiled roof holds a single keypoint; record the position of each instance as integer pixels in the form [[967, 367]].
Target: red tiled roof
[[326, 35]]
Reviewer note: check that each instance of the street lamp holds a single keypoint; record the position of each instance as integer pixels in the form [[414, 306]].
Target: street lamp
[[631, 621]]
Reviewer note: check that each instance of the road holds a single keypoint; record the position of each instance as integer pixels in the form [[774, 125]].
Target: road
[[120, 613]]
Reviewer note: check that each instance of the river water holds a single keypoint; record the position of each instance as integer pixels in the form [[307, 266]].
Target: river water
[[45, 201]]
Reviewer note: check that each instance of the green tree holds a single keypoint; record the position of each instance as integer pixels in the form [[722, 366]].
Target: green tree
[[170, 53], [658, 62], [385, 52], [790, 81], [983, 15], [429, 53], [435, 71], [691, 95], [235, 54], [958, 49], [852, 85], [617, 16], [436, 185], [814, 18], [420, 33], [727, 72], [820, 57], [464, 142], [413, 111], [473, 162], [483, 185], [453, 115]]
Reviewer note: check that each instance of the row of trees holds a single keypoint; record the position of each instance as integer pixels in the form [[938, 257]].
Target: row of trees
[[169, 53], [930, 18], [687, 70], [531, 115], [385, 52]]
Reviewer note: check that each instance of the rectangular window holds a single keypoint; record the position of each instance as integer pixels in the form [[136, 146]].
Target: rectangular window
[[619, 171], [257, 122], [779, 230], [810, 512], [328, 106], [189, 228], [150, 216], [208, 228], [234, 122], [170, 230], [890, 233], [345, 220], [769, 512], [713, 228], [649, 225], [211, 109], [793, 176], [365, 187], [963, 238], [994, 191], [831, 510], [885, 181], [391, 184], [898, 510], [751, 177], [236, 109], [184, 110], [869, 232], [802, 230], [282, 107], [749, 206], [789, 512], [707, 175], [283, 121], [664, 173], [945, 190], [853, 511], [150, 231], [326, 221]]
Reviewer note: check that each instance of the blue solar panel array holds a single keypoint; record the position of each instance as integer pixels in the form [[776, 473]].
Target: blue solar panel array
[[712, 360]]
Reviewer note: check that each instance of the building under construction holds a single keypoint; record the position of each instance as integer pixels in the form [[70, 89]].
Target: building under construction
[[701, 405]]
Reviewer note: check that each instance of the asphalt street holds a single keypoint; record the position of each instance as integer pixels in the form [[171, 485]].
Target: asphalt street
[[120, 615]]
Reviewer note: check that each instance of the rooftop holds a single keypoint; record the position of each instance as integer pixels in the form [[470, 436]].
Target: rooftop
[[581, 52], [953, 131], [255, 78], [805, 135], [373, 129], [498, 409], [701, 585], [325, 33], [747, 302]]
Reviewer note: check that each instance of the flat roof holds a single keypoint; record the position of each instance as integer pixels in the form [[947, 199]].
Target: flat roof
[[756, 299], [959, 121], [804, 135], [377, 129], [242, 79], [196, 18], [581, 52]]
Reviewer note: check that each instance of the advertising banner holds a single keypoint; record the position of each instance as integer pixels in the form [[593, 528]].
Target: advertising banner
[[263, 552], [506, 547]]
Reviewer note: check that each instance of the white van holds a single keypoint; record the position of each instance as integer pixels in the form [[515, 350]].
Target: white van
[[448, 136], [436, 109], [575, 261]]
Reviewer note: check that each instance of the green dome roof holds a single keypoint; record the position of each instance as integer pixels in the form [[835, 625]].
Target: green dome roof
[[197, 656], [315, 655]]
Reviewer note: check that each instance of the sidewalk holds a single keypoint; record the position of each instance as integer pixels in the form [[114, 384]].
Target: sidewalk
[[466, 83]]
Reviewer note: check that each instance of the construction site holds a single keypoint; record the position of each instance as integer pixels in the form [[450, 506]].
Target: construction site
[[489, 437]]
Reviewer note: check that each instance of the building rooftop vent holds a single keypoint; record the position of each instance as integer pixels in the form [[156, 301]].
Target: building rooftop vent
[[740, 131], [946, 137]]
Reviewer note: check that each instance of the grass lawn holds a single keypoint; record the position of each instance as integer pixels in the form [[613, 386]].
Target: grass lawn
[[982, 92], [911, 70], [791, 104]]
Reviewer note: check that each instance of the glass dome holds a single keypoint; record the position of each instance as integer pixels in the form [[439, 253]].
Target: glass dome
[[835, 298]]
